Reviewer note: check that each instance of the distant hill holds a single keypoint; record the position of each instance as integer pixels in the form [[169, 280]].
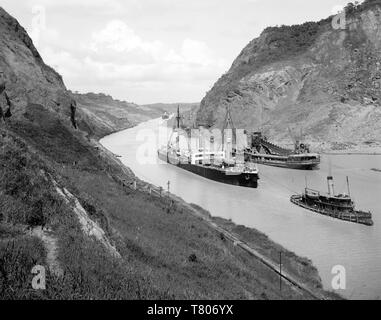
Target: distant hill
[[172, 107], [311, 77], [107, 115]]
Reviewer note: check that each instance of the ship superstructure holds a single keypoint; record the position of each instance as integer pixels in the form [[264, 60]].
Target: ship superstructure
[[210, 164]]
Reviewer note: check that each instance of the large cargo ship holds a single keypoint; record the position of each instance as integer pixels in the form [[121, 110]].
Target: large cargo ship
[[339, 206], [264, 152], [213, 165]]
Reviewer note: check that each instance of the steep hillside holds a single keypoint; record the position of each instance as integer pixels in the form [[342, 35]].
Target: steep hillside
[[311, 77], [104, 115], [28, 77]]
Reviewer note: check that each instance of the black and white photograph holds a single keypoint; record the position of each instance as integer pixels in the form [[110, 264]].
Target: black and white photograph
[[190, 155]]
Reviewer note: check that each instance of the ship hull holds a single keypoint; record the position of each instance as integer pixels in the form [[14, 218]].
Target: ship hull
[[349, 216], [282, 162], [248, 180]]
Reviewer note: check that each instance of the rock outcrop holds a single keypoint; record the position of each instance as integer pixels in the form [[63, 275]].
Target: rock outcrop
[[29, 79], [311, 77]]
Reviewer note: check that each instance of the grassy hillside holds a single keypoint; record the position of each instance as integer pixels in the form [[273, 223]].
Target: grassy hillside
[[105, 115]]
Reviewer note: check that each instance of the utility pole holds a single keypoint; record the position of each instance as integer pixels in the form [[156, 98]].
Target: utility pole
[[168, 184], [280, 271]]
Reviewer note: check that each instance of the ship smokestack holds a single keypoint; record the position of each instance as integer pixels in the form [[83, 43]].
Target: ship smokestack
[[331, 188]]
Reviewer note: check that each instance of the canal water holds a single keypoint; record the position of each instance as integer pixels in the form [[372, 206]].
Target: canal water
[[326, 241]]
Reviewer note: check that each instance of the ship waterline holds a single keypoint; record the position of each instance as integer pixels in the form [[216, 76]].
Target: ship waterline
[[239, 177]]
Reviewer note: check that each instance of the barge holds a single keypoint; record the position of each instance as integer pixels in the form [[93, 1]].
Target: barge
[[264, 152]]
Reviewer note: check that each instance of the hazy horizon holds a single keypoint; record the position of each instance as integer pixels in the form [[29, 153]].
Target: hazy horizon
[[152, 51]]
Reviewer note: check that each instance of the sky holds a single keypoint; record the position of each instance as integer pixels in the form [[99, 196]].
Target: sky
[[149, 51]]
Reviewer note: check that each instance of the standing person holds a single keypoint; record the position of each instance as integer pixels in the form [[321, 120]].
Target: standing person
[[4, 99], [73, 109]]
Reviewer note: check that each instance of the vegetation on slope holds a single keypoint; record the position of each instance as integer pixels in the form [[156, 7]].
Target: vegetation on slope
[[102, 115], [312, 76], [165, 253], [27, 200], [284, 42]]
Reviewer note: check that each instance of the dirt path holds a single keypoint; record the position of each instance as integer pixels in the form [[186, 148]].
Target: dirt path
[[50, 244]]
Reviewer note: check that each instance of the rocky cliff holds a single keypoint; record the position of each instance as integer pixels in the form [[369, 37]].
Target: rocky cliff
[[313, 77], [28, 78]]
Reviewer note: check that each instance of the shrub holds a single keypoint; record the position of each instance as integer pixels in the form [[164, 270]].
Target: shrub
[[17, 258], [27, 197], [192, 258]]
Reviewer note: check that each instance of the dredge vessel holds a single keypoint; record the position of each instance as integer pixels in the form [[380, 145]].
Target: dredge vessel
[[264, 152], [339, 206], [213, 165]]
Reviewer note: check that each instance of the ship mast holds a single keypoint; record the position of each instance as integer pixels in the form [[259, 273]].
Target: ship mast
[[228, 123], [178, 118], [294, 139], [176, 127], [261, 125]]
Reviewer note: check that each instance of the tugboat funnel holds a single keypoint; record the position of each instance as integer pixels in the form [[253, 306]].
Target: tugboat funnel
[[331, 188]]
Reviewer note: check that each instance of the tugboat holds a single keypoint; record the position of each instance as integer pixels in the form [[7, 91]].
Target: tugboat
[[264, 152], [165, 116], [213, 165], [339, 206]]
